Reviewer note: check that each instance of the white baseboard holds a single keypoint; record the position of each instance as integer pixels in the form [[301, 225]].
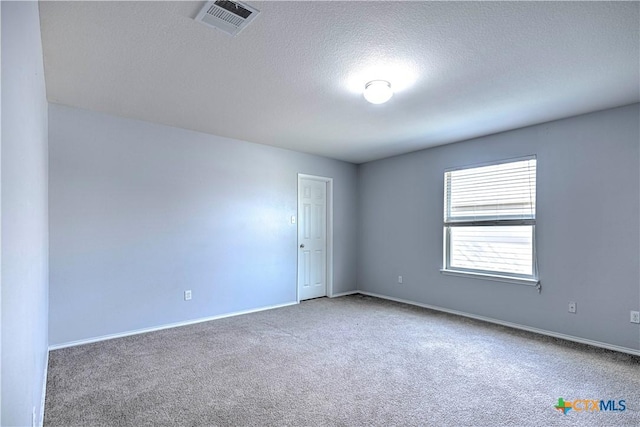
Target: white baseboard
[[167, 326], [431, 307], [510, 325], [44, 390], [344, 294]]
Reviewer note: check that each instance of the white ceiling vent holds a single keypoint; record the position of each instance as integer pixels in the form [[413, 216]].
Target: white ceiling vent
[[228, 16]]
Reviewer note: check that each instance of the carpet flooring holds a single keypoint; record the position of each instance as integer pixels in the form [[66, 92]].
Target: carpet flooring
[[349, 361]]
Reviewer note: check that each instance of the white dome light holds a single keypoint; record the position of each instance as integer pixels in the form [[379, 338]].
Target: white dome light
[[378, 91]]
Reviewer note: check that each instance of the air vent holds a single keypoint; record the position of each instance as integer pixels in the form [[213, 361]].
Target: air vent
[[228, 16]]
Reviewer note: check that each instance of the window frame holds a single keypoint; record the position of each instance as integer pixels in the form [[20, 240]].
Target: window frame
[[495, 275]]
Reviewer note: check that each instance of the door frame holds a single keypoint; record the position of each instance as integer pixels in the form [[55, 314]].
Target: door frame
[[329, 215]]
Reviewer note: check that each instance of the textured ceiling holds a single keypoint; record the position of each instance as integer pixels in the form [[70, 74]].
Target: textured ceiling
[[294, 77]]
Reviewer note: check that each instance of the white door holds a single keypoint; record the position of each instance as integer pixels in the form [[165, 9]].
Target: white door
[[312, 238]]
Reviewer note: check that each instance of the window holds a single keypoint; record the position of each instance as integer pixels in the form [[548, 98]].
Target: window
[[490, 220]]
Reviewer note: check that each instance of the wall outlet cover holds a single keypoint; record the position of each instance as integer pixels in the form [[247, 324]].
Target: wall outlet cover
[[572, 307], [187, 295], [635, 316]]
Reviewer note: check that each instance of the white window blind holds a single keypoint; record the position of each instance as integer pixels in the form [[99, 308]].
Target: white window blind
[[489, 219]]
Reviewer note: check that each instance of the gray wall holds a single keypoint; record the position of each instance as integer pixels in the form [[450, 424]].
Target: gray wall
[[141, 212], [587, 227], [24, 214]]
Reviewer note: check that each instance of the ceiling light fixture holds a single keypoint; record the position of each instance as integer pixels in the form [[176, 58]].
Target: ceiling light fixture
[[378, 91]]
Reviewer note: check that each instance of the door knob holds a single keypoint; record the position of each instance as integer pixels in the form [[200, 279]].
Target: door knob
[[302, 246]]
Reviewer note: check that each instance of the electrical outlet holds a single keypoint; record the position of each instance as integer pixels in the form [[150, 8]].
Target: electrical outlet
[[399, 279], [293, 219], [572, 307], [635, 316], [187, 295]]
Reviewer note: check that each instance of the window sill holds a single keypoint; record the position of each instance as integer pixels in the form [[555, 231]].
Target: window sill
[[493, 277]]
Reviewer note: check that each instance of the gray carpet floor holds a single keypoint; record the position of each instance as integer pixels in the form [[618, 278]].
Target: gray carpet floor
[[346, 361]]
